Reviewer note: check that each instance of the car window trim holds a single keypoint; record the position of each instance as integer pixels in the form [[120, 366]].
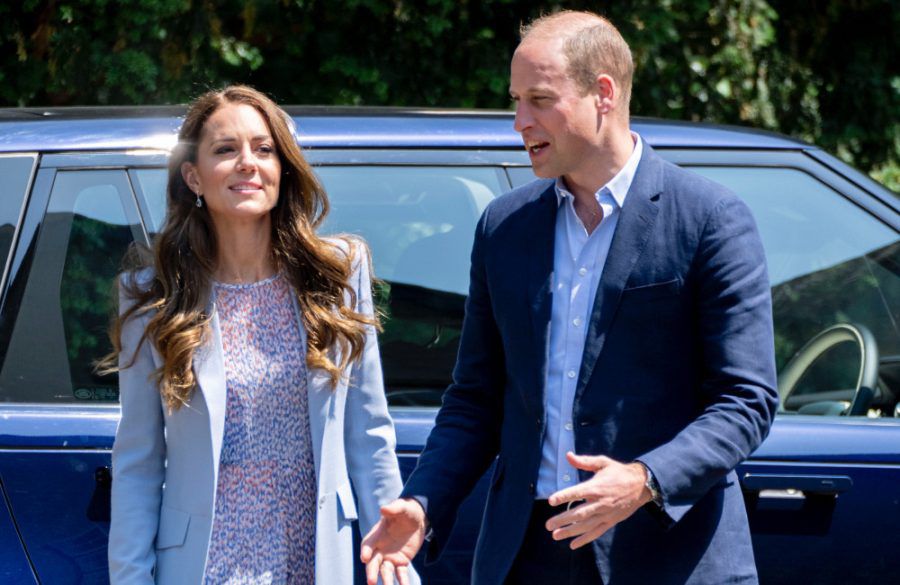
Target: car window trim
[[23, 204], [463, 157]]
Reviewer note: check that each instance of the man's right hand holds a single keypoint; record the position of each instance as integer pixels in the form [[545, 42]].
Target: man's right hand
[[393, 542]]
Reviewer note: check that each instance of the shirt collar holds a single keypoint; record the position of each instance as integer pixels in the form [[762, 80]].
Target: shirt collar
[[617, 186]]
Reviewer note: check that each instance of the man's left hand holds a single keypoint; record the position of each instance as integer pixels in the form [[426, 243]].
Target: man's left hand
[[615, 492]]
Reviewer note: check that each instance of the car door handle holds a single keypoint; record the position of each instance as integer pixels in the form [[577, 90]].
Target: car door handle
[[792, 504], [807, 484]]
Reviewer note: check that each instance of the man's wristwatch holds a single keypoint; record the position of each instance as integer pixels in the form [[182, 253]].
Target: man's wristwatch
[[652, 486]]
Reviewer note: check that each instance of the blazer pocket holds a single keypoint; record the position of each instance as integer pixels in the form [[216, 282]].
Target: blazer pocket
[[348, 504], [173, 527], [656, 290]]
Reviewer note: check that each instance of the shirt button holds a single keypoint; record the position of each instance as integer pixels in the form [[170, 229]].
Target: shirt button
[[582, 271], [567, 477], [571, 373], [568, 426], [576, 322]]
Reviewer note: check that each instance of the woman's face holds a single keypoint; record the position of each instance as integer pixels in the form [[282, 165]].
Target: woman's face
[[237, 170]]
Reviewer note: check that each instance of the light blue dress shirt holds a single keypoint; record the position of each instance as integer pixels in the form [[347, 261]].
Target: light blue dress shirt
[[578, 261]]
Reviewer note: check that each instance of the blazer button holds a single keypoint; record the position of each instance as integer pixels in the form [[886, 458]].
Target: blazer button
[[321, 502], [531, 488], [537, 422]]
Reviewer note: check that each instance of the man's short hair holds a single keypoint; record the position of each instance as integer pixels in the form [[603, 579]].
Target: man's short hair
[[592, 46]]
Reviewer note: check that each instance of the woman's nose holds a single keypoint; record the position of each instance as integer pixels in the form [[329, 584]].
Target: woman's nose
[[246, 159]]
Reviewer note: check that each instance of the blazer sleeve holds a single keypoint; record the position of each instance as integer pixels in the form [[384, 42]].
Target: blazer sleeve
[[368, 429], [737, 390], [138, 462]]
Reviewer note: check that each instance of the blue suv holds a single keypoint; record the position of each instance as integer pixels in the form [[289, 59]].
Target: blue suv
[[79, 185]]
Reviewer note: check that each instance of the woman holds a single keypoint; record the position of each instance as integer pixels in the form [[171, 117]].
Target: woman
[[251, 386]]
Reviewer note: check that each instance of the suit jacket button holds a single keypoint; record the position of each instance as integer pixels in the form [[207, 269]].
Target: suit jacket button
[[531, 488], [538, 422]]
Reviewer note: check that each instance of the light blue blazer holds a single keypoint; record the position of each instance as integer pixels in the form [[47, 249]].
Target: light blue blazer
[[165, 464]]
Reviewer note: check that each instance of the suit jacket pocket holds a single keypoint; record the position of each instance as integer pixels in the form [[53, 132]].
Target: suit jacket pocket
[[649, 292], [173, 527]]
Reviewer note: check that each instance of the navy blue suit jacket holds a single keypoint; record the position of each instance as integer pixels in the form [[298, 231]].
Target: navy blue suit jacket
[[678, 372]]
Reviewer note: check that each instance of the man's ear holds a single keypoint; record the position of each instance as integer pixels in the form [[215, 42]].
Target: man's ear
[[191, 179], [607, 92]]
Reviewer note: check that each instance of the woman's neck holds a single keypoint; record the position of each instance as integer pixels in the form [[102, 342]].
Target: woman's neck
[[245, 254]]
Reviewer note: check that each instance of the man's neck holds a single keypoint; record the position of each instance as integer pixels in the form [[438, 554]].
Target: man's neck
[[611, 156]]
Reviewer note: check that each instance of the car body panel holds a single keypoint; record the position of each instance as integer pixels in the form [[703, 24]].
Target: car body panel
[[14, 564]]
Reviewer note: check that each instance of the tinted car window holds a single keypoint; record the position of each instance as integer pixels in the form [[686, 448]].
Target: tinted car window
[[152, 182], [829, 262], [419, 222], [63, 314], [519, 176], [16, 172]]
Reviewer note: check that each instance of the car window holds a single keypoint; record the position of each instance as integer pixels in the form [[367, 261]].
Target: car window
[[830, 263], [63, 314], [16, 173], [152, 183], [419, 222], [519, 176]]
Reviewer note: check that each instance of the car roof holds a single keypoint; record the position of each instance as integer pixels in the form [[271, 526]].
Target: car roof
[[155, 127]]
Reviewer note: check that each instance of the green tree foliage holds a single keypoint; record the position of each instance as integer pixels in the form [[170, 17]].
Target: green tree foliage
[[822, 70]]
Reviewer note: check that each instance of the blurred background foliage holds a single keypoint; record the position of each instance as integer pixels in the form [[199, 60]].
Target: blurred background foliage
[[826, 71]]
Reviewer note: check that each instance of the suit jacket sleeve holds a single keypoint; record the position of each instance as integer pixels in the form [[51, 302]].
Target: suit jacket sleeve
[[465, 439], [138, 461], [737, 390]]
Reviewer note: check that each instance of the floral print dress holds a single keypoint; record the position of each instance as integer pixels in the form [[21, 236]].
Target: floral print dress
[[265, 513]]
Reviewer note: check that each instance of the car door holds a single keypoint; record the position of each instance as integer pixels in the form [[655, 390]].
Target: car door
[[58, 415], [822, 491], [18, 172]]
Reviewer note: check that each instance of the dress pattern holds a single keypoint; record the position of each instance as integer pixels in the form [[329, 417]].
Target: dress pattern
[[264, 526]]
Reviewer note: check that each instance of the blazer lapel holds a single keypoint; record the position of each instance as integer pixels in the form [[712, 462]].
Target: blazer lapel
[[319, 394], [209, 370], [635, 224], [541, 237]]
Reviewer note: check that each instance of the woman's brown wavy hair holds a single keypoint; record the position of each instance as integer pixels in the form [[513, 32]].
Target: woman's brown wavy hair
[[185, 251]]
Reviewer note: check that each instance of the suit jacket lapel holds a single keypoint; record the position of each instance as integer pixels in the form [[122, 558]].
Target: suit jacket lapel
[[636, 221], [541, 237]]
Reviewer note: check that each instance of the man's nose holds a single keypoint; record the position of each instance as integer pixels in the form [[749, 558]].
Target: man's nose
[[523, 118]]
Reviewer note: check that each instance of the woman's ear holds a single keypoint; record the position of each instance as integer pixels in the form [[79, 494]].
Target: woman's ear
[[191, 179]]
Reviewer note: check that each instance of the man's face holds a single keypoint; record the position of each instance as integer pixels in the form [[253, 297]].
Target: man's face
[[559, 125]]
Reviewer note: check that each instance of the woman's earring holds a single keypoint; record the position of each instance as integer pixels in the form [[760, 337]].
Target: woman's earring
[[199, 201]]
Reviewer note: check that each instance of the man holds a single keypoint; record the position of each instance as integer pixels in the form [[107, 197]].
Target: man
[[619, 310]]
